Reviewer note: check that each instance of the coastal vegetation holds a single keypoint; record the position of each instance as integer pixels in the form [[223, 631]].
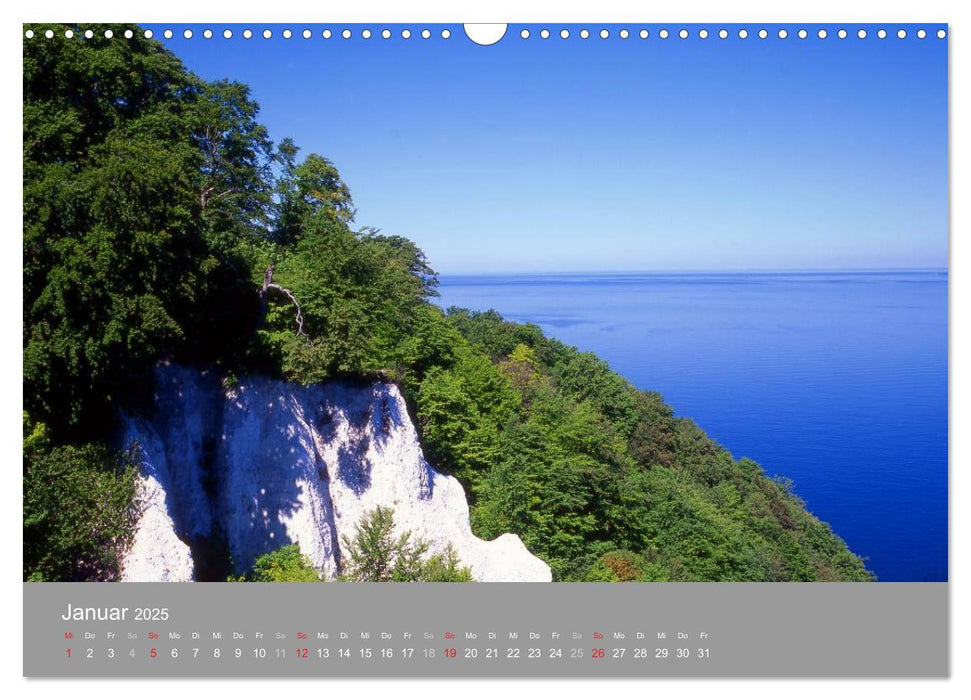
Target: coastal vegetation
[[376, 553], [162, 223], [283, 565]]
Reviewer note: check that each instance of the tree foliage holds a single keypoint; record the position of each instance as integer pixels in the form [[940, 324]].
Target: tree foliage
[[80, 509], [602, 480], [140, 184], [283, 565], [378, 554]]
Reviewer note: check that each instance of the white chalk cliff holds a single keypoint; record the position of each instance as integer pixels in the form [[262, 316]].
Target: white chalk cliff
[[249, 469]]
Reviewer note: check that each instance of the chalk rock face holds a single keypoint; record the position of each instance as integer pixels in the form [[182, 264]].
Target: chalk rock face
[[250, 469], [157, 553]]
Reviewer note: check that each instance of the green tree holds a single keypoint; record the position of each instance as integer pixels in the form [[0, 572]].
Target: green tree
[[445, 567], [376, 554], [588, 378], [306, 188], [284, 565], [138, 181], [462, 412], [80, 509], [345, 302]]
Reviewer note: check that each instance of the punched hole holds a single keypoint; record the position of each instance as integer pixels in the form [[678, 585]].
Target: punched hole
[[487, 34]]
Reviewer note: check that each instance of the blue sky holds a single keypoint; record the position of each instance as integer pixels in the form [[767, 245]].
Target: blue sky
[[561, 155]]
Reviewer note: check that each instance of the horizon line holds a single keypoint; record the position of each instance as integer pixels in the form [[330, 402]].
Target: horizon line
[[699, 271]]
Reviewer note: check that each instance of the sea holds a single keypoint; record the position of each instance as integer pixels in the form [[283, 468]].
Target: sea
[[836, 380]]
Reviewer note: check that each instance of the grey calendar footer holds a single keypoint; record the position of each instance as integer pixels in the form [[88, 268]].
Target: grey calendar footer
[[486, 630]]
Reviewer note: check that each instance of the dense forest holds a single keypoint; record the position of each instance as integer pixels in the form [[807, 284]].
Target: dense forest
[[162, 223]]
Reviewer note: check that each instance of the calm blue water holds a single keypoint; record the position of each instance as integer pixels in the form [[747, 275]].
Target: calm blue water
[[835, 380]]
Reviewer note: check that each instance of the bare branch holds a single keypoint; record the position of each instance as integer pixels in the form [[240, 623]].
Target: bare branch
[[269, 284], [205, 195]]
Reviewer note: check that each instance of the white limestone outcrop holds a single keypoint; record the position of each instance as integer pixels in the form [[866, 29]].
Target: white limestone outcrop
[[268, 463], [157, 554]]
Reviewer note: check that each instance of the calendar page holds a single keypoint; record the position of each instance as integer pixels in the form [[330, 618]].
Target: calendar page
[[512, 350]]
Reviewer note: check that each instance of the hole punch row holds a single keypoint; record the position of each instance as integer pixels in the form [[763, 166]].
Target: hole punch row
[[490, 34]]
